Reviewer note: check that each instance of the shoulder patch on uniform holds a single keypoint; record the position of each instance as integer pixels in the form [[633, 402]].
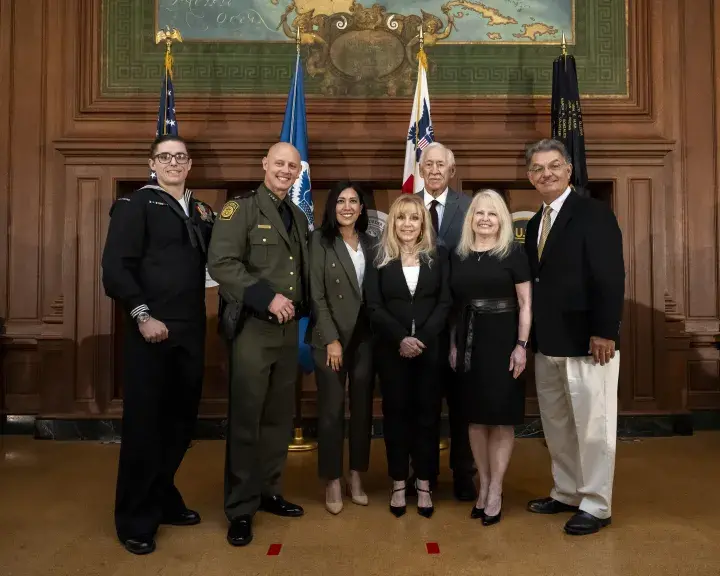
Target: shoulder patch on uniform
[[205, 211], [229, 210], [245, 194]]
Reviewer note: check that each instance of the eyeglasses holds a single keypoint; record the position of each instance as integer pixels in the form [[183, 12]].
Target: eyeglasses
[[166, 157], [554, 167]]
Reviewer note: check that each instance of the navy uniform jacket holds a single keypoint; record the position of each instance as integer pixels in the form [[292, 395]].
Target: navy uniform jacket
[[155, 256]]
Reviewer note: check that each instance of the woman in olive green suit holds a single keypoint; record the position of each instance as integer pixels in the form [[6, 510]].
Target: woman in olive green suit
[[340, 336]]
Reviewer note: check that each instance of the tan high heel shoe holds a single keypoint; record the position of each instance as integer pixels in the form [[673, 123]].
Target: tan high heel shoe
[[333, 507], [359, 499]]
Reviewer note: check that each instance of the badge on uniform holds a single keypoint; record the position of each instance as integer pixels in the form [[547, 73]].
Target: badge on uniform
[[229, 210], [205, 214]]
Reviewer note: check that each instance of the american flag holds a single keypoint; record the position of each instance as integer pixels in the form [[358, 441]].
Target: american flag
[[166, 121]]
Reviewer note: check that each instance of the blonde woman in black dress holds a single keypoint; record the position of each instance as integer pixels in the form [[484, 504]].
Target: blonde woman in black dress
[[490, 282]]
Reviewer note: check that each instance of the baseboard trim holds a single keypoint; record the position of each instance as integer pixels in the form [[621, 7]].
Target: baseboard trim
[[110, 430]]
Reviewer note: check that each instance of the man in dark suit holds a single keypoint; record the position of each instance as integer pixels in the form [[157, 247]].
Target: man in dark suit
[[574, 246], [447, 210]]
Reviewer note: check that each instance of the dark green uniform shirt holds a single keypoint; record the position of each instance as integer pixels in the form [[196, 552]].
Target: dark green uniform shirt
[[253, 256]]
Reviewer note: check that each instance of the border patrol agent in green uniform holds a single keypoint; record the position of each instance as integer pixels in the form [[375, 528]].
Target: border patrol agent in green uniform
[[259, 256]]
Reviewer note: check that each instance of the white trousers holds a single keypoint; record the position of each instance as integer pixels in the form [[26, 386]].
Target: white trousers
[[578, 407]]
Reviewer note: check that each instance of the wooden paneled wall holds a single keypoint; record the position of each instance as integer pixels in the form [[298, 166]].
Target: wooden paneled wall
[[65, 150]]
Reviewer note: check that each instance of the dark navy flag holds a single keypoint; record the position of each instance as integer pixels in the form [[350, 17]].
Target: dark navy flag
[[294, 131], [166, 121], [566, 117]]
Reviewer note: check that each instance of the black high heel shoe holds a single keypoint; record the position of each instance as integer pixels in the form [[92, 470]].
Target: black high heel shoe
[[477, 513], [424, 511], [490, 520], [397, 511]]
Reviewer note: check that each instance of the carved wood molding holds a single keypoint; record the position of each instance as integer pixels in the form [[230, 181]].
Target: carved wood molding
[[118, 152], [56, 314], [636, 107]]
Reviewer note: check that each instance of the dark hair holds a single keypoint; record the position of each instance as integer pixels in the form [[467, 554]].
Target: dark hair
[[165, 138], [546, 145], [329, 228]]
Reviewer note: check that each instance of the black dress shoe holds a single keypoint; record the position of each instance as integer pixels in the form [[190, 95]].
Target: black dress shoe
[[185, 518], [549, 506], [240, 531], [584, 523], [464, 487], [140, 546], [280, 507]]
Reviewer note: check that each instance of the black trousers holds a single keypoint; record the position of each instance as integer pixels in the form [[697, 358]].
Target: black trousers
[[162, 388], [411, 402], [358, 365], [461, 458]]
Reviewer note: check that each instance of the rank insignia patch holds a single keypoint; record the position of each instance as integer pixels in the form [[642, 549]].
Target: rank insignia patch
[[229, 210]]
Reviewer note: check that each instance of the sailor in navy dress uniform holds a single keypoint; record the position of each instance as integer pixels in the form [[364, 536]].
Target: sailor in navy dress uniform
[[153, 266]]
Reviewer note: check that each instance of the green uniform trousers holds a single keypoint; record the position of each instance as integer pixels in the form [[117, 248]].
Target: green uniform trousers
[[263, 373]]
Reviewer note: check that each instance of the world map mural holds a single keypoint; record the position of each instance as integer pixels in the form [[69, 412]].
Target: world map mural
[[446, 21]]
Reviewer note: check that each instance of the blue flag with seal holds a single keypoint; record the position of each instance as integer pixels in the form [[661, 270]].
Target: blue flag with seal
[[294, 131], [166, 120]]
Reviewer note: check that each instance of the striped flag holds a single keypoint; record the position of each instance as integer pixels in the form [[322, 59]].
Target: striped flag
[[420, 132]]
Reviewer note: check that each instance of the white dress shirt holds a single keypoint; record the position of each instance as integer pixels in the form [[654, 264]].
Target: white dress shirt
[[412, 273], [556, 205], [442, 199], [358, 260]]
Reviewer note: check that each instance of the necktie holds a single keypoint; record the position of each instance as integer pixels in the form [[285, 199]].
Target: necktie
[[434, 216], [285, 215], [546, 223]]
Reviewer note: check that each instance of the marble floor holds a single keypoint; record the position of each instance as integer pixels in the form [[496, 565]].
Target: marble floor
[[56, 519]]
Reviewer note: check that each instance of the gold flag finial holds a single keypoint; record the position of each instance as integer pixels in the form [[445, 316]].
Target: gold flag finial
[[168, 36], [297, 39], [564, 45], [422, 37]]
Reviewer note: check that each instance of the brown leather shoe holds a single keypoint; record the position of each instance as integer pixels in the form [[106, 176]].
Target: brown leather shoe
[[549, 506]]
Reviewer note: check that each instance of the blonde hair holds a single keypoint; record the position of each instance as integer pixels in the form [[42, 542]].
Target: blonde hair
[[389, 246], [505, 237]]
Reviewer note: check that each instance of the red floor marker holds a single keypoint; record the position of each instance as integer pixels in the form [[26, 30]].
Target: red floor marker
[[274, 549], [433, 548]]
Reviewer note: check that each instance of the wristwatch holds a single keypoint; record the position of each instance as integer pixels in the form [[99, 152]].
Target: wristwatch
[[142, 317], [522, 343]]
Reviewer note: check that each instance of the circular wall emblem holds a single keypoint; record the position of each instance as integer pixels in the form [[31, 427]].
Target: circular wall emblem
[[520, 220], [376, 223]]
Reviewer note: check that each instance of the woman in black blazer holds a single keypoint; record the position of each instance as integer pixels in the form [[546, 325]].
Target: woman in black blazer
[[408, 296], [340, 336]]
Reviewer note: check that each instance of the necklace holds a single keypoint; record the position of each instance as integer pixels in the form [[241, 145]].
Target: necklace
[[482, 253]]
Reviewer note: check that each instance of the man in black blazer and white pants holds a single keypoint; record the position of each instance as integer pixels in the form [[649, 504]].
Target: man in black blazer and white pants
[[574, 246], [447, 211]]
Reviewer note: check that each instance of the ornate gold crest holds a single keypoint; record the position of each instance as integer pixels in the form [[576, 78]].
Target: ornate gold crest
[[362, 50]]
